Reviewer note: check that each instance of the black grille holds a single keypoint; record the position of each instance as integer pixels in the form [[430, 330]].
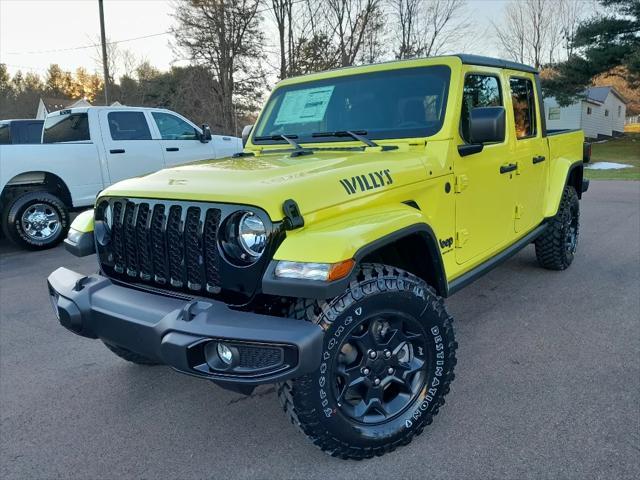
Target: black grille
[[164, 244], [259, 357]]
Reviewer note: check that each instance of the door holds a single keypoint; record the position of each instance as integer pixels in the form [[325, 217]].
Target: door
[[129, 147], [226, 145], [483, 188], [530, 152], [180, 140]]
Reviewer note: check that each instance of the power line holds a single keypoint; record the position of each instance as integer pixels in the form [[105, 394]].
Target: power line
[[115, 42], [26, 67]]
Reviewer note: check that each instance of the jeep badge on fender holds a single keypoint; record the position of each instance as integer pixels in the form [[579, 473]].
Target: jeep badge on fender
[[251, 270]]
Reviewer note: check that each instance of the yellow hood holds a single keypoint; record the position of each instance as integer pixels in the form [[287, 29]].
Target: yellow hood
[[315, 182]]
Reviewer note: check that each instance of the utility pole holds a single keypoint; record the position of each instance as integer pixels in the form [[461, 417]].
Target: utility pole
[[105, 66]]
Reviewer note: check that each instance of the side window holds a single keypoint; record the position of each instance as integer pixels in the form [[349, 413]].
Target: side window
[[66, 127], [479, 91], [128, 126], [5, 138], [173, 128], [524, 107], [34, 132]]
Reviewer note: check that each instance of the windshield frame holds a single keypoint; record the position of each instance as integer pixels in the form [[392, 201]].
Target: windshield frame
[[393, 134]]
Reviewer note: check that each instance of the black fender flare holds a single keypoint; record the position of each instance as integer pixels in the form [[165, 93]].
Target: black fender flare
[[316, 290], [575, 178]]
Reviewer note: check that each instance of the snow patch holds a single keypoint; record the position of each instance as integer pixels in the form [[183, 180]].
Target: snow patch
[[607, 166]]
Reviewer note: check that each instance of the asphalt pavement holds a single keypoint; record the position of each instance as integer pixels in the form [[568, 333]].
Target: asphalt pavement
[[547, 382]]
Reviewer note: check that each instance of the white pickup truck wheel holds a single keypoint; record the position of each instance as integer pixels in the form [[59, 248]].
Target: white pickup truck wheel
[[36, 220]]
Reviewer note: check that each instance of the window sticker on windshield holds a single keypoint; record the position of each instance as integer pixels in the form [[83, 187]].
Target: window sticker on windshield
[[303, 106]]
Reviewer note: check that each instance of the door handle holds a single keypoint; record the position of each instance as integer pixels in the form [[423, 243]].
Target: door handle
[[509, 167], [117, 150], [173, 149], [538, 159]]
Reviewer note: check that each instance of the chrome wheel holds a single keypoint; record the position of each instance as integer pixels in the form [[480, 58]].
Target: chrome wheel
[[41, 222]]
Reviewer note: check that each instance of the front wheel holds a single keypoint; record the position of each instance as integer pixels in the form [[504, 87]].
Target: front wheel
[[387, 363], [36, 220]]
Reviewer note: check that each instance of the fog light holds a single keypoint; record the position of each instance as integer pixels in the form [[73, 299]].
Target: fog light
[[225, 353]]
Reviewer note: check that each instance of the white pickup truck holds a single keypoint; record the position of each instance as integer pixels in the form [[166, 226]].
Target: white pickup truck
[[83, 151]]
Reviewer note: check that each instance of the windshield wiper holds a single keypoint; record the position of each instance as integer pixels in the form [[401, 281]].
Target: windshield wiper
[[298, 149], [357, 135]]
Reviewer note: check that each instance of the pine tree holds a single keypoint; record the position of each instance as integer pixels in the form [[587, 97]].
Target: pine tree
[[601, 44]]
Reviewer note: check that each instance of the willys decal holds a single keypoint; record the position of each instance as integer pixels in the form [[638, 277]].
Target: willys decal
[[367, 181]]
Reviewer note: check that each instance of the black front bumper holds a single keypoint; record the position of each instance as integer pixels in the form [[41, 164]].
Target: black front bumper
[[176, 332]]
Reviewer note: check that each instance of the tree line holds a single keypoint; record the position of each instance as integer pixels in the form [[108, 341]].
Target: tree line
[[232, 61]]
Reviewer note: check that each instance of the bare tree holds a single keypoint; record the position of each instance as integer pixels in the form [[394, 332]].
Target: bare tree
[[428, 27], [571, 13], [226, 37], [113, 57], [406, 15], [283, 14], [348, 22], [446, 24], [532, 31], [373, 46]]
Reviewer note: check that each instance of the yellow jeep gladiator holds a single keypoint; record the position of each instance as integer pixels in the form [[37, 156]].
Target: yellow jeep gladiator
[[319, 258]]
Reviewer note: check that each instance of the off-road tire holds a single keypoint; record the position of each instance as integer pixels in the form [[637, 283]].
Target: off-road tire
[[130, 356], [552, 251], [15, 208], [319, 416]]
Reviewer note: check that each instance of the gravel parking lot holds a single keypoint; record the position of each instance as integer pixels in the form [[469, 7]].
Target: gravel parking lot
[[548, 382]]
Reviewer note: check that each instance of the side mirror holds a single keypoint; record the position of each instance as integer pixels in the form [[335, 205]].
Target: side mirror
[[487, 125], [205, 136], [246, 131]]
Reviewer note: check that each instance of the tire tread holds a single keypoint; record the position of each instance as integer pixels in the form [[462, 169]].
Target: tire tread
[[550, 249], [371, 278]]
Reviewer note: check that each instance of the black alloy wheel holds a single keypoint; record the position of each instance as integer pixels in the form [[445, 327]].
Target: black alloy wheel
[[379, 370]]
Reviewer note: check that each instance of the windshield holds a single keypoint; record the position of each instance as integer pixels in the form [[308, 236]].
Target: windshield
[[392, 104]]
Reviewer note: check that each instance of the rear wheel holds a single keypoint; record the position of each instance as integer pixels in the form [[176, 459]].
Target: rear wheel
[[387, 363], [557, 246], [36, 220]]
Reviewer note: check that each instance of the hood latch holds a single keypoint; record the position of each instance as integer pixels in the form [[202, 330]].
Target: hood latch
[[293, 218]]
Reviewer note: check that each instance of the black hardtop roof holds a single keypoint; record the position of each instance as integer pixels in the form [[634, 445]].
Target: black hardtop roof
[[465, 58], [494, 62]]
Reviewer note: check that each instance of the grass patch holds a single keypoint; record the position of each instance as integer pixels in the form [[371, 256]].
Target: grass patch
[[625, 149]]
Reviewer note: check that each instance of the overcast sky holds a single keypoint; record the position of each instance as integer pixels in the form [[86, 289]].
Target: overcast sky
[[35, 33]]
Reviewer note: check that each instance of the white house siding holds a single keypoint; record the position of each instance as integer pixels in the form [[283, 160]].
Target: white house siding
[[42, 111], [615, 122], [592, 124], [569, 116]]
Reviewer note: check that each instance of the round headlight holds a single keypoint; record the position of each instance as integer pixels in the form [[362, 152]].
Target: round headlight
[[108, 215], [103, 223], [252, 235]]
